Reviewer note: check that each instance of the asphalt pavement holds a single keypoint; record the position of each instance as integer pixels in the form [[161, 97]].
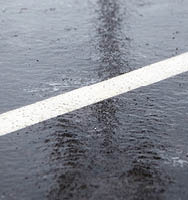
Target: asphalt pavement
[[133, 146]]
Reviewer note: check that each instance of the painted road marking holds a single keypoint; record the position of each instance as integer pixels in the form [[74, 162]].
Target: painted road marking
[[50, 108]]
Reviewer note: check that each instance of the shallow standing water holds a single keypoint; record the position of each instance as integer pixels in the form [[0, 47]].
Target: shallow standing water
[[133, 146]]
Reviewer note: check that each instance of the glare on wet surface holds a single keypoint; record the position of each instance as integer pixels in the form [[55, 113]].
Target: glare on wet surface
[[132, 146]]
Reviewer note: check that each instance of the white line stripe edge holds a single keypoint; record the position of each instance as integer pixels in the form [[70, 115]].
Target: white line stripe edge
[[23, 117]]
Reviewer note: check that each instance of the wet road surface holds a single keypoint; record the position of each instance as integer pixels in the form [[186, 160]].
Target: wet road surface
[[134, 146]]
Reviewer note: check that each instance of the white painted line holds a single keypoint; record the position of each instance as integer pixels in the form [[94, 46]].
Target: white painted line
[[32, 114]]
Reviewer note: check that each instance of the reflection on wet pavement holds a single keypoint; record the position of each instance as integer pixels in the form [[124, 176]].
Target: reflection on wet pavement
[[98, 160], [133, 146]]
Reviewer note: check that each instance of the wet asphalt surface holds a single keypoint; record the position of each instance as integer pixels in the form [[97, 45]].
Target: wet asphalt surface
[[134, 146]]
